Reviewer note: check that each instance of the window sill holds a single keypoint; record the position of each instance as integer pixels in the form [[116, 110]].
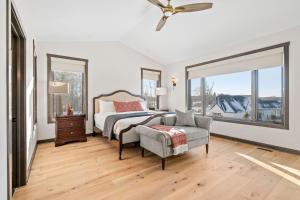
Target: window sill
[[252, 123]]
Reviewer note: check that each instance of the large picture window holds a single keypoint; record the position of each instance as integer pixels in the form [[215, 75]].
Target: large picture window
[[150, 80], [249, 88], [67, 84]]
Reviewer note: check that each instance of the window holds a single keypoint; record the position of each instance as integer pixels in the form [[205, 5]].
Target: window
[[196, 98], [67, 84], [227, 99], [151, 79], [250, 88], [269, 101]]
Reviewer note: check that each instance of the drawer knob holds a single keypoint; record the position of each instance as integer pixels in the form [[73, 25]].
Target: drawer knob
[[71, 132], [71, 124]]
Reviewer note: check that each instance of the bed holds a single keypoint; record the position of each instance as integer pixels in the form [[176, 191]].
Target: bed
[[121, 126]]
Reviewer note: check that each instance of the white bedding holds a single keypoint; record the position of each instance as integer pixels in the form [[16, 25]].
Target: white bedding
[[120, 124]]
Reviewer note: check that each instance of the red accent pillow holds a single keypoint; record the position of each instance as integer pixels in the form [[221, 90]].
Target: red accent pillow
[[128, 106]]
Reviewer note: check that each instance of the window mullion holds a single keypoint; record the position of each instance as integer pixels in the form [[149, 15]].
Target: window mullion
[[203, 96], [283, 91], [254, 95], [189, 95]]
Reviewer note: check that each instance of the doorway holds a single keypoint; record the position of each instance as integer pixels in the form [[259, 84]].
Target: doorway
[[16, 105]]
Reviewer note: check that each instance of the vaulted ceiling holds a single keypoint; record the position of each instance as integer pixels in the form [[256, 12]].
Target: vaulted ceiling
[[133, 23]]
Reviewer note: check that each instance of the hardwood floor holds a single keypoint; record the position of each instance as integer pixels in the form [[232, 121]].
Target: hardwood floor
[[231, 170]]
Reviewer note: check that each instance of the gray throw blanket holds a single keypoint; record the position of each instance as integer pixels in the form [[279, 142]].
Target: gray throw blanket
[[110, 121]]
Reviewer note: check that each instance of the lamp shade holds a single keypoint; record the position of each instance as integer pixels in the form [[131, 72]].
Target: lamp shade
[[58, 87], [161, 91]]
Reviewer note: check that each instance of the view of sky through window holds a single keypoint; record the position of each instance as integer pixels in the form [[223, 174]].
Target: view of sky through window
[[230, 95]]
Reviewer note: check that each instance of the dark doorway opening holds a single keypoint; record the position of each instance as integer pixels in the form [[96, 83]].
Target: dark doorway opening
[[17, 105]]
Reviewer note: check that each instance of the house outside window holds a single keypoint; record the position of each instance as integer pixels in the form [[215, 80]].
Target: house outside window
[[270, 95], [225, 98]]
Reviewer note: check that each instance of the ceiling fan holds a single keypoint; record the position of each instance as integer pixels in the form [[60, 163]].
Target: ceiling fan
[[168, 10]]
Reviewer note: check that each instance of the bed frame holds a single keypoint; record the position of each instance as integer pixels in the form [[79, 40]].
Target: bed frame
[[119, 95]]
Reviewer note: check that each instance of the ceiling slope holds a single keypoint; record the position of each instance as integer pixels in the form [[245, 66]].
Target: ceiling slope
[[133, 22], [228, 23]]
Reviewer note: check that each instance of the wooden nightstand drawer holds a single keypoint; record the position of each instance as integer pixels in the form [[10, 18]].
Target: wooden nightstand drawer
[[69, 129], [67, 123], [67, 133]]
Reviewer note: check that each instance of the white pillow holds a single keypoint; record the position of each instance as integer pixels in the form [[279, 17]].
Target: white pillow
[[144, 105], [106, 106]]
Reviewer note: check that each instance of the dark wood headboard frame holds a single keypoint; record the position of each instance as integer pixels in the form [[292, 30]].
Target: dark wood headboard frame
[[110, 94]]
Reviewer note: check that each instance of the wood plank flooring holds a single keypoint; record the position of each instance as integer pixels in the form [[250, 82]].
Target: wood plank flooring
[[92, 171]]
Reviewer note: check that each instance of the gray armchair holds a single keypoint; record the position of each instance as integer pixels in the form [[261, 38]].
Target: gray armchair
[[160, 143]]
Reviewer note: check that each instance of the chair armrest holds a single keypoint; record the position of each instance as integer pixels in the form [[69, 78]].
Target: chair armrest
[[203, 122]]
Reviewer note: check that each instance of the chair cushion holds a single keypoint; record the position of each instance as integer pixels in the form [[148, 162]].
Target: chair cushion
[[192, 133], [185, 118]]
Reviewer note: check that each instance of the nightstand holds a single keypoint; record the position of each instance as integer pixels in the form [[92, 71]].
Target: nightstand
[[69, 128]]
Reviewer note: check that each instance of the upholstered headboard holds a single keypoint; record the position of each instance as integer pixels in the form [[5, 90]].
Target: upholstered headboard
[[119, 95]]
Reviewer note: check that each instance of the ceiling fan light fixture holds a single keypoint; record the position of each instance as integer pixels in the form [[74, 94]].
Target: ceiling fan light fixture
[[168, 13], [168, 10]]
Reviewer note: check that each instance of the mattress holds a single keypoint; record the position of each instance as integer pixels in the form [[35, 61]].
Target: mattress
[[129, 136], [121, 124]]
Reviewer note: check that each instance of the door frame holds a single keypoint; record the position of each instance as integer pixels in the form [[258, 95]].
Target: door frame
[[13, 24]]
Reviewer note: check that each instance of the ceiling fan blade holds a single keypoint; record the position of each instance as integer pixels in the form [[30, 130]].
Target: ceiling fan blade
[[161, 23], [157, 3], [193, 7]]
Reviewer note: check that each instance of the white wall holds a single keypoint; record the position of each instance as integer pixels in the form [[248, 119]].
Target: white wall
[[112, 66], [3, 107], [25, 21], [284, 138], [31, 139]]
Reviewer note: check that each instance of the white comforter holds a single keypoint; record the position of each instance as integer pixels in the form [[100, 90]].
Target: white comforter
[[120, 124]]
